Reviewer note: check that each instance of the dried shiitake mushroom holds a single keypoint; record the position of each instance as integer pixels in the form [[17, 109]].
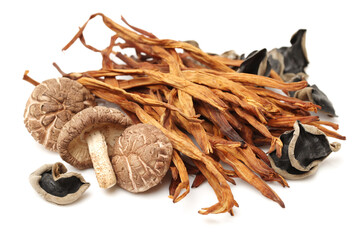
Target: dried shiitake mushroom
[[304, 148], [142, 156], [87, 140], [55, 184], [51, 104]]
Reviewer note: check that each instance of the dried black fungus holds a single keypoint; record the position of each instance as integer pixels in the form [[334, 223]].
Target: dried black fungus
[[256, 63], [290, 64], [304, 148], [55, 184], [315, 95], [294, 57]]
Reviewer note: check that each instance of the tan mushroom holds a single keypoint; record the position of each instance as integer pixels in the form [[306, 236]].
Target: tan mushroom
[[142, 156], [56, 185], [87, 140], [51, 104]]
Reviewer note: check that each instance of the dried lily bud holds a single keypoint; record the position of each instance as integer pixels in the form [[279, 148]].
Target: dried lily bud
[[304, 148], [256, 63]]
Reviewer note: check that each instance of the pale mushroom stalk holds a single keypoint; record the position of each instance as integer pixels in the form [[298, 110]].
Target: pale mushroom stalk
[[104, 172]]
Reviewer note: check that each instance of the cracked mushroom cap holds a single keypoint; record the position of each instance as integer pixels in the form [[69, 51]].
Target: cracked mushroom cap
[[142, 156], [51, 104], [72, 144]]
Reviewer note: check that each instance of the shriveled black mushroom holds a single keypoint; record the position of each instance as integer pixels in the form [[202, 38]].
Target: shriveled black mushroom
[[256, 63], [55, 184], [276, 61], [315, 95], [290, 64], [295, 57], [304, 148]]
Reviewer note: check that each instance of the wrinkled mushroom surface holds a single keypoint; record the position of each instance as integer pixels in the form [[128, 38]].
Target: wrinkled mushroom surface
[[51, 104], [304, 148], [55, 184], [142, 156]]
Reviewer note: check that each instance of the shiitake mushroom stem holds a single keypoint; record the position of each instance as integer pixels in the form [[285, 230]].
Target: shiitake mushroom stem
[[105, 174]]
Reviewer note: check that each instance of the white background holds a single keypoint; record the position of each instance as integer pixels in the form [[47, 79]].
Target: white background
[[325, 205]]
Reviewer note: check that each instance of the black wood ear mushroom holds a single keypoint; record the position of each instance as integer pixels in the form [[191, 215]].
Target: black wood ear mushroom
[[55, 184], [256, 63], [304, 148], [315, 95]]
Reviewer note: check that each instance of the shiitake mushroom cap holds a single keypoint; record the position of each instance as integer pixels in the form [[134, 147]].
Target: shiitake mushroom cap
[[51, 104], [142, 157]]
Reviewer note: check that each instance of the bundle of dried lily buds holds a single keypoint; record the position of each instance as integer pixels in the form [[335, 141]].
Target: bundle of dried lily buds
[[191, 95]]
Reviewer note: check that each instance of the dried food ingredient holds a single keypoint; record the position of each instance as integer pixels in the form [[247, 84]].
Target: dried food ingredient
[[304, 148], [256, 63], [88, 140], [292, 59], [202, 97], [51, 104], [290, 64], [315, 95], [55, 184], [142, 156]]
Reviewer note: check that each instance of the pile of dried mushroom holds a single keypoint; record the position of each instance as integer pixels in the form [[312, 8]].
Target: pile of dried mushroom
[[220, 102]]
